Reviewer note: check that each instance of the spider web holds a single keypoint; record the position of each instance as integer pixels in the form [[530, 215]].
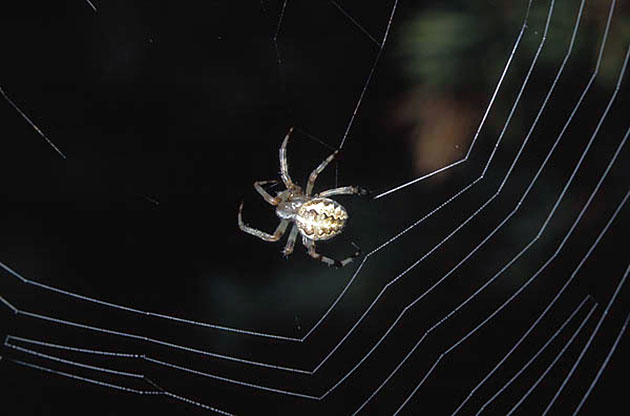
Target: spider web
[[494, 139]]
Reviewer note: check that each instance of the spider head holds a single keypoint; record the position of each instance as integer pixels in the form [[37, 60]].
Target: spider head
[[295, 191], [292, 192]]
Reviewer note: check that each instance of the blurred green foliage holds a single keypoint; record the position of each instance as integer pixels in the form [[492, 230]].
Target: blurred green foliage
[[451, 47]]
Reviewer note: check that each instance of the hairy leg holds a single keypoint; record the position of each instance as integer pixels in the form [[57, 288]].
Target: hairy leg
[[288, 248], [261, 234], [284, 165], [310, 245], [345, 190], [270, 199], [311, 179]]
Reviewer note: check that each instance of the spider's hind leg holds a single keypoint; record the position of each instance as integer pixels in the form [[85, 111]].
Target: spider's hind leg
[[310, 245]]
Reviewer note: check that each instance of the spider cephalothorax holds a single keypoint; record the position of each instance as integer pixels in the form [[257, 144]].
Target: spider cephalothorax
[[316, 217]]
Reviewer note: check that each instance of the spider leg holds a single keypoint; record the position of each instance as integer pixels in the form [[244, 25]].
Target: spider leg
[[318, 170], [284, 165], [288, 248], [270, 199], [261, 234], [310, 245], [345, 190]]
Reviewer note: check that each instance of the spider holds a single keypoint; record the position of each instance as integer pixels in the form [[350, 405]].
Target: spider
[[315, 217]]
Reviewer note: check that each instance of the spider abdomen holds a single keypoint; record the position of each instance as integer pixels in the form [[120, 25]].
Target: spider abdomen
[[321, 218]]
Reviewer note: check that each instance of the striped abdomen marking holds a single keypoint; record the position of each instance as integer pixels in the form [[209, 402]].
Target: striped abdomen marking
[[321, 218]]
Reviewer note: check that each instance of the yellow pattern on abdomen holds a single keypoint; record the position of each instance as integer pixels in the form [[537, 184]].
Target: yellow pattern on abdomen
[[321, 218]]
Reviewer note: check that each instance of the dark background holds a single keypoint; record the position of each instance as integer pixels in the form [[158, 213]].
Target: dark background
[[167, 112]]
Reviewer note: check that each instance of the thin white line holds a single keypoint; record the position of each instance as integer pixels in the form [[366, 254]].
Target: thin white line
[[370, 75], [101, 369], [284, 7], [603, 366], [483, 119], [70, 362], [9, 305], [91, 5], [275, 36], [354, 21], [231, 380], [162, 391], [65, 347], [23, 114], [137, 356], [590, 340], [425, 176], [555, 360], [137, 311], [158, 342], [85, 379], [154, 361], [533, 358]]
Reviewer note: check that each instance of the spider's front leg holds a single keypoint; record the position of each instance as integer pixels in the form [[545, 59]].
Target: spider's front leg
[[258, 185], [313, 176], [284, 165], [310, 245], [261, 234]]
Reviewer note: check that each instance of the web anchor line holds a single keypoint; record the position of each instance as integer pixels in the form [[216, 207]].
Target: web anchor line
[[370, 76], [33, 125], [91, 5], [354, 22], [277, 33]]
